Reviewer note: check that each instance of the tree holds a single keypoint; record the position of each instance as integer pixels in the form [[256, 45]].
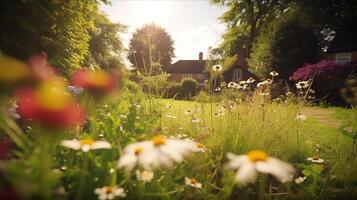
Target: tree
[[105, 46], [284, 46], [150, 49], [59, 28], [245, 19]]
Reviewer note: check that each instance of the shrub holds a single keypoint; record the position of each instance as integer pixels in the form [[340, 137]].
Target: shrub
[[189, 87], [284, 46], [174, 91], [328, 77]]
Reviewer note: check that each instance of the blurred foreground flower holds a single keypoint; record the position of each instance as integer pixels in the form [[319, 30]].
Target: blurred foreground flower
[[255, 161], [12, 70], [193, 183], [157, 152], [40, 68], [98, 83], [5, 148], [49, 104], [86, 144], [109, 192], [145, 176]]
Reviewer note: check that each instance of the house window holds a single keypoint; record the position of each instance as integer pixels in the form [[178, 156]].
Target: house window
[[201, 76], [188, 76], [236, 74], [343, 57]]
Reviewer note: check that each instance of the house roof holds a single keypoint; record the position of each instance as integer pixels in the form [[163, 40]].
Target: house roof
[[346, 38], [187, 67]]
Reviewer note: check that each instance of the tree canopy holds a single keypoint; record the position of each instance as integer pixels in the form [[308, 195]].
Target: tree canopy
[[105, 46], [284, 46], [66, 30], [150, 49]]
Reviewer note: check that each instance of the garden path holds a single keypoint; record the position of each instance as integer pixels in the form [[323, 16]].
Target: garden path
[[321, 115]]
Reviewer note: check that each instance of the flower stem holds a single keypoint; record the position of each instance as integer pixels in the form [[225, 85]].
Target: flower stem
[[82, 178]]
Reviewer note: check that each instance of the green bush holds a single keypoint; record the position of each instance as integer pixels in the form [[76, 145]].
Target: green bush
[[174, 91], [189, 88], [284, 46]]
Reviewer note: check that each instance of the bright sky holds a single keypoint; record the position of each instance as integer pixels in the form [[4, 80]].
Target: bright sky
[[192, 24]]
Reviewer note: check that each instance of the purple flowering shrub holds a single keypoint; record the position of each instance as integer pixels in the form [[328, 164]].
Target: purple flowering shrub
[[328, 78], [324, 68]]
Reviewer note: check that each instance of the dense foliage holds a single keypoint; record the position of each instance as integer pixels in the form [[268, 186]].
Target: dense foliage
[[68, 31], [247, 22], [150, 49], [105, 46], [284, 46]]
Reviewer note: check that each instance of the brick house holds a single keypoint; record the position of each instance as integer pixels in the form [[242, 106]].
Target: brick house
[[343, 48], [239, 71], [194, 69]]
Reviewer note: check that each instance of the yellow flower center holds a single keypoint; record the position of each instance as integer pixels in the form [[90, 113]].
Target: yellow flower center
[[193, 181], [199, 145], [315, 158], [158, 140], [109, 190], [257, 155], [52, 94], [86, 142], [138, 150], [98, 78]]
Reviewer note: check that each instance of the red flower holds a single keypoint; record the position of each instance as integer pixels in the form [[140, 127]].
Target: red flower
[[50, 104], [40, 68], [5, 147], [96, 82]]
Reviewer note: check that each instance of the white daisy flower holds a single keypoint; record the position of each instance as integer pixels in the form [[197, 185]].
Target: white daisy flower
[[217, 68], [155, 153], [250, 80], [300, 116], [316, 159], [188, 112], [217, 89], [145, 176], [264, 93], [195, 120], [255, 161], [86, 144], [109, 192], [193, 183], [268, 81], [223, 84], [274, 73], [289, 94], [302, 84], [300, 179], [231, 84], [260, 84]]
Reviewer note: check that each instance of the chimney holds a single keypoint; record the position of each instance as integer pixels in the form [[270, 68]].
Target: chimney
[[200, 56]]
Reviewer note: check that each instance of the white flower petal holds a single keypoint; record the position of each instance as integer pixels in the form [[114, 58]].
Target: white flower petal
[[101, 145], [246, 174], [281, 170], [72, 144], [127, 161], [236, 161]]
